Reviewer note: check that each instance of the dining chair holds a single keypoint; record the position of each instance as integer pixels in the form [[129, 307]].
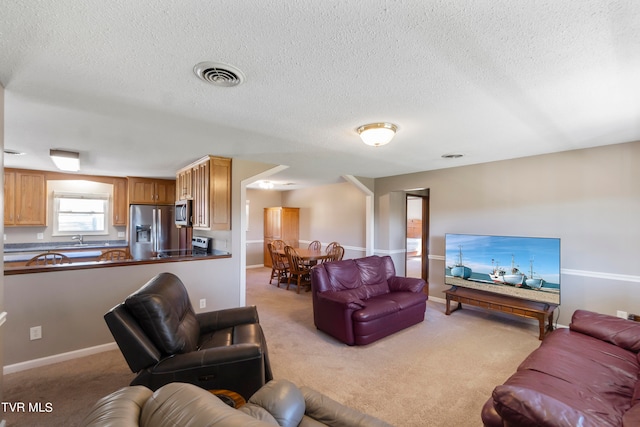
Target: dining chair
[[336, 254], [115, 255], [49, 258], [297, 269], [278, 245], [330, 246], [315, 245], [279, 265]]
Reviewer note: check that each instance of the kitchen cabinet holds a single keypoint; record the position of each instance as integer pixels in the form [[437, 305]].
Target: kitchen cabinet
[[120, 205], [280, 224], [151, 191], [25, 202], [184, 184], [207, 182]]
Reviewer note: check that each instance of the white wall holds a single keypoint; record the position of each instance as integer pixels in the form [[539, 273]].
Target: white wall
[[331, 213], [328, 213], [589, 198], [2, 304], [258, 200]]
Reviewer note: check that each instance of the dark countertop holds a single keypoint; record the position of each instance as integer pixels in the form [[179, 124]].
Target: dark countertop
[[17, 252], [55, 246], [10, 271]]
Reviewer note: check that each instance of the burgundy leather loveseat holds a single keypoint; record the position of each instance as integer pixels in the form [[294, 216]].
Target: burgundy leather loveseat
[[587, 375], [359, 301]]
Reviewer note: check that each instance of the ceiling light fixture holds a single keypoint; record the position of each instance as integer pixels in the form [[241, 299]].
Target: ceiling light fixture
[[377, 134], [66, 160], [266, 185]]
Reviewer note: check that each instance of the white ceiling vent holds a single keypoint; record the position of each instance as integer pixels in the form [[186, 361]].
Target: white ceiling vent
[[219, 74]]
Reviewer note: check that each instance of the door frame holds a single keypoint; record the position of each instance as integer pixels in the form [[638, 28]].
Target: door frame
[[423, 194]]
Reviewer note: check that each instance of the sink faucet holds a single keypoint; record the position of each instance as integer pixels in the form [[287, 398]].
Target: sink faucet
[[79, 238]]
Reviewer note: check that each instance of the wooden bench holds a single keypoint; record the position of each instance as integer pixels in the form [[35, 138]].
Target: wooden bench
[[503, 303]]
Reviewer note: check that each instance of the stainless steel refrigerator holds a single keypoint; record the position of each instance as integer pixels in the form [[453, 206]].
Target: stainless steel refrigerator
[[152, 230]]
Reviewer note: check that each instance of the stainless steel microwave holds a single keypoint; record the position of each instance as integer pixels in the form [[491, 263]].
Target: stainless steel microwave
[[183, 213]]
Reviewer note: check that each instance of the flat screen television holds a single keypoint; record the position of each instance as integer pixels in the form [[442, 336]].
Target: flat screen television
[[522, 267]]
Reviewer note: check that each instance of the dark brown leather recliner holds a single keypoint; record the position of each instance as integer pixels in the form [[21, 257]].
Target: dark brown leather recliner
[[163, 340]]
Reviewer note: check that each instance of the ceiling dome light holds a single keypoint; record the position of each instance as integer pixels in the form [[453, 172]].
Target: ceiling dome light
[[266, 185], [377, 134]]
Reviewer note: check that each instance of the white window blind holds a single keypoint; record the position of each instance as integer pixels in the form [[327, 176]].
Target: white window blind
[[80, 213]]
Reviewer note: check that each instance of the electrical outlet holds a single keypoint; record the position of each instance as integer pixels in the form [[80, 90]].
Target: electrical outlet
[[35, 333], [203, 303], [622, 314], [40, 236], [120, 233]]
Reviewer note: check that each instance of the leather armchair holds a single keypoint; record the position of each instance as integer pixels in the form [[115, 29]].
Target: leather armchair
[[163, 340], [279, 403]]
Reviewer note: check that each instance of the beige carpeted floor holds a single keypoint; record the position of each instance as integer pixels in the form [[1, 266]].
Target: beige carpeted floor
[[437, 373]]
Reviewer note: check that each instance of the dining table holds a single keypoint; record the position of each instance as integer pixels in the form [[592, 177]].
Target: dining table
[[307, 254]]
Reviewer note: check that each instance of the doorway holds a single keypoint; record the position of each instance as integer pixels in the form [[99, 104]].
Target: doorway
[[417, 234]]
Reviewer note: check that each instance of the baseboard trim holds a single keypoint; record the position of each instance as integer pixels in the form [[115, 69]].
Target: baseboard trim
[[56, 358], [255, 266], [438, 300]]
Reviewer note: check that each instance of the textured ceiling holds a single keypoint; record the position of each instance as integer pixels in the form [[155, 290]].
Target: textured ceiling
[[492, 80]]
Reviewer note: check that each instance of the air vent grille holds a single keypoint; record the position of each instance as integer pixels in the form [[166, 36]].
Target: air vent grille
[[13, 152], [219, 74]]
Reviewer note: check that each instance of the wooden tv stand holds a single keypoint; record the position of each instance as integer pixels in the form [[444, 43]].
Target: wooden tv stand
[[503, 303]]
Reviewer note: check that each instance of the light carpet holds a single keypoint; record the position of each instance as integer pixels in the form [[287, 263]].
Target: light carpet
[[437, 373]]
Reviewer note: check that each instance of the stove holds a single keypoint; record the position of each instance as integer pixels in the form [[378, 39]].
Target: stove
[[202, 245]]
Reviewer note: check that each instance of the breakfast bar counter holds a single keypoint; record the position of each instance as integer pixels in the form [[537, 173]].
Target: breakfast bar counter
[[177, 256]]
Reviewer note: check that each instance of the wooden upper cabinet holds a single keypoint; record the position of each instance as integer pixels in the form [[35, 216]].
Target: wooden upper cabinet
[[9, 198], [120, 205], [208, 183], [25, 198], [166, 191], [151, 191], [184, 184], [220, 193]]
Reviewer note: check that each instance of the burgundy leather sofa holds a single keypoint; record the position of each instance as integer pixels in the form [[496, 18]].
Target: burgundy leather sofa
[[586, 375], [359, 301]]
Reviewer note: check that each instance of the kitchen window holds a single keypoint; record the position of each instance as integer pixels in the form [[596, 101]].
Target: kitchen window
[[80, 213]]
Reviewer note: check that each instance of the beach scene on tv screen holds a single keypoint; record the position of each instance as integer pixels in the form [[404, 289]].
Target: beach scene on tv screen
[[523, 267]]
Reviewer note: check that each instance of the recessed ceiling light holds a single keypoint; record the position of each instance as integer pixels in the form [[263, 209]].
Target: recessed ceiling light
[[451, 156]]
